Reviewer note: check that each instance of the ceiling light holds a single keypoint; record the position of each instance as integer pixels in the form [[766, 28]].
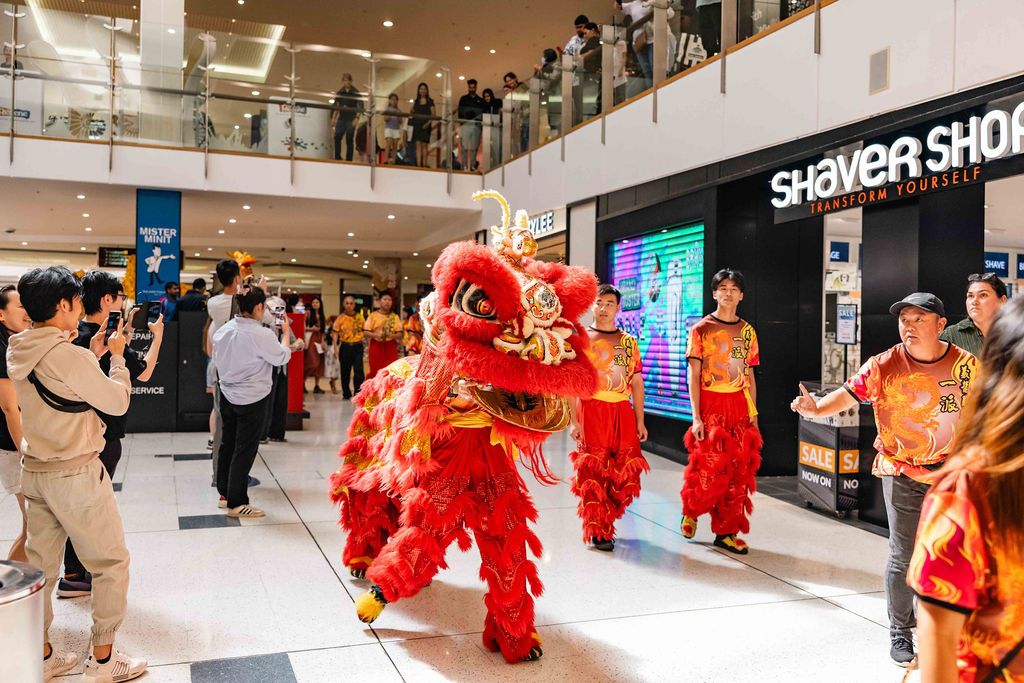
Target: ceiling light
[[406, 277], [428, 265], [237, 126], [232, 220], [88, 229], [625, 241], [241, 2], [438, 74], [220, 232], [988, 232], [330, 101], [171, 31], [366, 262], [467, 48], [462, 78], [351, 234], [245, 207], [391, 216], [665, 230], [293, 260], [415, 253], [493, 51], [986, 206], [411, 101], [82, 196], [196, 254], [85, 215], [255, 93], [388, 23], [349, 251], [24, 244], [84, 249], [367, 54], [365, 266], [246, 115], [209, 249]]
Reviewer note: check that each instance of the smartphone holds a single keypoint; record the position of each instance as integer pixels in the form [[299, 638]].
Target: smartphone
[[140, 315], [113, 320]]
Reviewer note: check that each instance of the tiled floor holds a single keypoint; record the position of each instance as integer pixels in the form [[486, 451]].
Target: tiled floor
[[214, 599]]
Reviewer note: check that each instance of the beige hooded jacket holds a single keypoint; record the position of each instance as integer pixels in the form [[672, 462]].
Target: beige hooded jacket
[[55, 440]]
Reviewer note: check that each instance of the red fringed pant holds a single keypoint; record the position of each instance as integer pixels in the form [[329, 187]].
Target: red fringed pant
[[722, 469], [608, 465], [476, 487]]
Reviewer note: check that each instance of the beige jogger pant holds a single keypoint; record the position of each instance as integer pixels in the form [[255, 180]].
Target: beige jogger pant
[[79, 503]]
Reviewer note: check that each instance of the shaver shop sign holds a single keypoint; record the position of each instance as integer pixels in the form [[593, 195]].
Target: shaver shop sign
[[948, 156]]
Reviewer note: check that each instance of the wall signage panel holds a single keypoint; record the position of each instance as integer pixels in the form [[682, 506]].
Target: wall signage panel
[[997, 262]]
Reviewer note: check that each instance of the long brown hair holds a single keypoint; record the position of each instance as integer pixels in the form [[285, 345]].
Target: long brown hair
[[994, 423]]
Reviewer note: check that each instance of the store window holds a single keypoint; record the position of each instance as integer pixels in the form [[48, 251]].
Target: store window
[[842, 294], [552, 249]]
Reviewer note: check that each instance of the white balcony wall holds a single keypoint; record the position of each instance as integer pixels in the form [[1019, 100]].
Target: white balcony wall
[[778, 90]]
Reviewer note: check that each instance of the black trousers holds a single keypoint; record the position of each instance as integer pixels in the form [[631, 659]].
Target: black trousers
[[238, 448], [710, 18], [268, 414], [351, 359], [109, 456], [279, 409], [344, 128]]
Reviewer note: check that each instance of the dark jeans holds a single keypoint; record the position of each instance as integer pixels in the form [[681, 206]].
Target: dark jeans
[[710, 17], [344, 128], [109, 456], [279, 411], [903, 499], [238, 448], [351, 358]]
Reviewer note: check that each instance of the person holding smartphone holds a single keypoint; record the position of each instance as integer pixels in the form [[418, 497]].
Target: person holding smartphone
[[102, 300]]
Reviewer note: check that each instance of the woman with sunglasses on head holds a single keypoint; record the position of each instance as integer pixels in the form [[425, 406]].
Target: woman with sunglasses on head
[[13, 319], [986, 293], [968, 564]]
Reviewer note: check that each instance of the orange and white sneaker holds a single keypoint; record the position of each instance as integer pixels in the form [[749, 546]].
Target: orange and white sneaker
[[732, 543], [688, 527]]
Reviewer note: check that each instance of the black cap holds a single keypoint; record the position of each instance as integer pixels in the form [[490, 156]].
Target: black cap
[[922, 300]]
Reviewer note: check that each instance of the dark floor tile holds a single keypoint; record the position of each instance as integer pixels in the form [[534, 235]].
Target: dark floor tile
[[276, 668], [207, 521], [178, 457]]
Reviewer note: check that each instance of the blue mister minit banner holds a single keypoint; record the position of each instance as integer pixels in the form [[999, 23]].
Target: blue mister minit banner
[[157, 242]]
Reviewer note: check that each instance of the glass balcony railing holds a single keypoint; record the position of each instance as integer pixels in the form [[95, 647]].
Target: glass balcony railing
[[215, 84]]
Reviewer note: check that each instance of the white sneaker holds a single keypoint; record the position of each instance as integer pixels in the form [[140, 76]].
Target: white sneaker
[[120, 667], [246, 511], [58, 663]]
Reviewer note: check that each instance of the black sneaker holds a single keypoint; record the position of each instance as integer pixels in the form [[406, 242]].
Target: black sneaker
[[317, 390], [902, 651], [604, 544], [281, 440], [253, 481], [75, 588]]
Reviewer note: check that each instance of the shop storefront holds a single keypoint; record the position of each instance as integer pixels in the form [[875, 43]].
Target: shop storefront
[[829, 231], [551, 230]]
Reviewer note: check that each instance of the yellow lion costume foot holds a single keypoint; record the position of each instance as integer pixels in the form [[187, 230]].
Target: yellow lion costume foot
[[369, 605]]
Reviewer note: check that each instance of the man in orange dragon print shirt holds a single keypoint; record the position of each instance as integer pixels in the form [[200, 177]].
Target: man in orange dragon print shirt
[[917, 389], [607, 428]]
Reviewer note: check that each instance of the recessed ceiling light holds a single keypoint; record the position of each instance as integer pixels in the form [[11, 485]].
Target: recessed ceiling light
[[330, 101], [625, 241], [255, 93], [220, 232], [82, 196], [246, 115], [171, 31], [84, 249], [415, 253], [388, 23], [493, 51], [665, 230], [245, 207], [351, 234], [232, 220], [365, 266], [462, 78], [209, 249], [349, 251], [438, 74], [467, 48], [24, 244], [986, 206], [428, 265], [196, 254], [88, 229], [293, 260], [241, 2], [406, 277], [391, 216], [85, 215], [366, 262], [411, 101]]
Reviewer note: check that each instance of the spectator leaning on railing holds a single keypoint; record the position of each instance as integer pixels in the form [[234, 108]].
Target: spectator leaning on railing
[[60, 388]]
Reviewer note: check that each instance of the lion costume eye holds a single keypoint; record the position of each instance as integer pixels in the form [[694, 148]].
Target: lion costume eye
[[471, 299]]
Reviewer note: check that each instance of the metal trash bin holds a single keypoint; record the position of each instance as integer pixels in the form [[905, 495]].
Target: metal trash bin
[[21, 622]]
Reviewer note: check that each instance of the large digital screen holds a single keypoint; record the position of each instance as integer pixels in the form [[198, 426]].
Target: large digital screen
[[661, 277]]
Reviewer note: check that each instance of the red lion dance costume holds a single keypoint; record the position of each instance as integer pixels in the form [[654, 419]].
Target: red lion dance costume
[[431, 449]]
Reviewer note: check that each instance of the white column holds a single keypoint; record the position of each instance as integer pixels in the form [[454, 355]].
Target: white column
[[162, 53]]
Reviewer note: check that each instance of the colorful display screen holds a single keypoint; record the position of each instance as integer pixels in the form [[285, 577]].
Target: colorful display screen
[[661, 277]]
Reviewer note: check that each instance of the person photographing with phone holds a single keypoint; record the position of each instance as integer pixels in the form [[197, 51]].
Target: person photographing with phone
[[102, 300], [61, 391]]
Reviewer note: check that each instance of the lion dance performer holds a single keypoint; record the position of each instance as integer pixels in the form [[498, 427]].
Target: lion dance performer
[[431, 449], [724, 442], [607, 428]]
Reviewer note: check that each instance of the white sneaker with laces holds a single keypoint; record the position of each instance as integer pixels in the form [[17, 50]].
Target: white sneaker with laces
[[120, 667], [58, 663]]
